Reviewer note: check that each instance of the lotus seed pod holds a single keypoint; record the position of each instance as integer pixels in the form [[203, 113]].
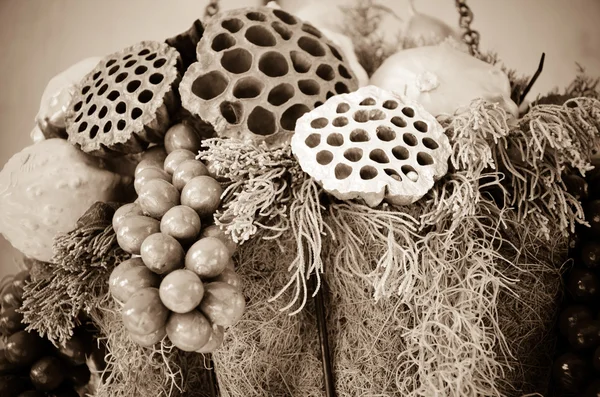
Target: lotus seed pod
[[126, 101], [374, 145], [258, 71]]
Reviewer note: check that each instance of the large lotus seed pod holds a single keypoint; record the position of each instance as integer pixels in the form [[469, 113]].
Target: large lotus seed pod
[[127, 101], [374, 145], [258, 71]]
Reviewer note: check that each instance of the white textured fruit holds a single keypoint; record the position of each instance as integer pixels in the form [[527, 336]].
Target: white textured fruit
[[372, 144], [444, 79]]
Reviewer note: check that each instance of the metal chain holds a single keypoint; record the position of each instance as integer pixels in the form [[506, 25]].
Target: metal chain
[[212, 8], [470, 36]]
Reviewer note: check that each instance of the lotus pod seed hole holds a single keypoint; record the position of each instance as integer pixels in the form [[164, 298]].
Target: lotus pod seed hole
[[111, 62], [145, 96], [324, 157], [237, 60], [325, 72], [368, 102], [283, 30], [410, 172], [130, 63], [398, 122], [136, 113], [85, 89], [329, 94], [424, 158], [390, 104], [291, 115], [353, 154], [342, 108], [408, 112], [222, 42], [420, 126], [262, 121], [410, 139], [156, 78], [94, 131], [361, 116], [159, 62], [121, 77], [385, 134], [317, 104], [91, 110], [393, 174], [367, 172], [401, 153], [98, 83], [140, 70], [89, 98], [232, 111], [78, 106], [121, 108], [340, 121], [273, 64], [248, 87], [309, 87], [256, 16], [280, 94], [126, 57], [335, 139], [313, 140], [285, 17], [342, 171], [336, 52], [210, 85], [341, 88], [300, 61], [79, 117], [344, 72], [133, 85], [113, 70], [319, 123], [145, 51], [308, 28], [107, 127], [113, 95], [82, 127], [260, 36], [430, 143], [121, 125], [379, 156], [233, 25], [96, 75], [103, 89], [359, 135], [311, 46], [150, 57]]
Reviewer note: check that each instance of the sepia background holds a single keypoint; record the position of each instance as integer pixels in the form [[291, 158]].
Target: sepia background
[[40, 38]]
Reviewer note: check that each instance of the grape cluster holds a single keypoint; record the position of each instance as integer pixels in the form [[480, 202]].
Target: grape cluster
[[576, 367], [29, 365], [181, 280]]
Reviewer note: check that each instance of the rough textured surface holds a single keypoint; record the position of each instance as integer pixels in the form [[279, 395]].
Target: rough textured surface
[[258, 71], [126, 101], [372, 144]]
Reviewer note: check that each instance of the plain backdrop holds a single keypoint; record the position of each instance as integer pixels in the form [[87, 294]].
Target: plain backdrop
[[40, 38]]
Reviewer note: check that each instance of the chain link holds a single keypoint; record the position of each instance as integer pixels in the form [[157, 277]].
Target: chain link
[[212, 8], [469, 36]]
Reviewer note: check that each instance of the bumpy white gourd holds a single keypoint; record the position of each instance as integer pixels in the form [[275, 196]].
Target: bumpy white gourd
[[444, 79], [372, 145], [45, 188]]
